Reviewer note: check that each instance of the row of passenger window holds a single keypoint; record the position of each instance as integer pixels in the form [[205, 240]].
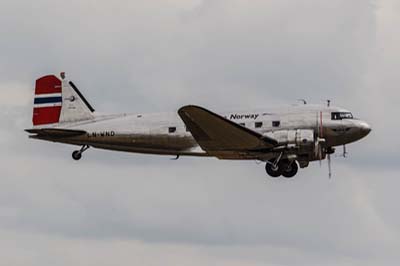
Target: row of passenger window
[[172, 130], [261, 124], [335, 116]]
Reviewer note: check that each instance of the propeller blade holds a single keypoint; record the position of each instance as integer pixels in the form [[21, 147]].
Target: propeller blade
[[317, 149], [320, 154], [319, 141], [330, 166], [321, 133]]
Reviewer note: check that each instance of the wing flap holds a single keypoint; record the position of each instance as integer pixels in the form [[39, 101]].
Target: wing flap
[[216, 133]]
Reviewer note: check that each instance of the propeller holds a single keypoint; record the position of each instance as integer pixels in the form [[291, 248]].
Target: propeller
[[344, 151], [330, 166], [319, 141], [320, 145]]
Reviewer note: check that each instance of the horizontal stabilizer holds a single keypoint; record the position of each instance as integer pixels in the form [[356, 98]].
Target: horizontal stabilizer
[[56, 133]]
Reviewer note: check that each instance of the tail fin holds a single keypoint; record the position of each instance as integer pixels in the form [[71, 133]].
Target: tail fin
[[59, 101], [48, 101]]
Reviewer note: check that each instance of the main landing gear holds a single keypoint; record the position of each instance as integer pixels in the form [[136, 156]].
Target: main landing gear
[[77, 155], [283, 167]]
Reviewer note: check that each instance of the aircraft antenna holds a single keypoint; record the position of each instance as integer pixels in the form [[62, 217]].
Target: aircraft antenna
[[303, 101]]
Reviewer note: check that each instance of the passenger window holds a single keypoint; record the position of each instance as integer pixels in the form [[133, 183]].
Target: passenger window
[[258, 124], [276, 123], [172, 130]]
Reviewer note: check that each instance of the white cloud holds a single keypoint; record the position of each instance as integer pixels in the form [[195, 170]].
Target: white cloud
[[15, 95]]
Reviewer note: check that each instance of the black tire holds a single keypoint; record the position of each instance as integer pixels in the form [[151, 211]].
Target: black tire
[[269, 167], [76, 155], [290, 170]]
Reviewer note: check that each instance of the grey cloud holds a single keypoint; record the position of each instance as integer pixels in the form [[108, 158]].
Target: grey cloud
[[146, 56], [228, 50], [106, 203]]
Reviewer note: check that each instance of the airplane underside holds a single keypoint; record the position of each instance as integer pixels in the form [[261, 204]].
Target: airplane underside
[[183, 146]]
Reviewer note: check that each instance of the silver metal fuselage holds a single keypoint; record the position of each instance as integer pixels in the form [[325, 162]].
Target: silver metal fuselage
[[166, 134]]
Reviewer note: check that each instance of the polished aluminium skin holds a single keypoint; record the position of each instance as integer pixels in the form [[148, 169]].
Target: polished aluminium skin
[[285, 137]]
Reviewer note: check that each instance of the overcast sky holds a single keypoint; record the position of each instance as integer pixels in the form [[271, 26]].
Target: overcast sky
[[157, 55]]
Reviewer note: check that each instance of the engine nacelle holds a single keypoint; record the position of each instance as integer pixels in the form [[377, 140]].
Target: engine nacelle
[[299, 138]]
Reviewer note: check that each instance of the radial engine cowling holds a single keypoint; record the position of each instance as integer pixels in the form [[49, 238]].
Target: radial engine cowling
[[303, 138]]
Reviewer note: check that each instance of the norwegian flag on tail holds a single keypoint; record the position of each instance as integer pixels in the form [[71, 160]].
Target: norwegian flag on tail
[[48, 101]]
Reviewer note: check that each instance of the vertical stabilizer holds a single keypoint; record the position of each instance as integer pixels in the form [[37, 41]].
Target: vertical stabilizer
[[59, 101], [75, 107]]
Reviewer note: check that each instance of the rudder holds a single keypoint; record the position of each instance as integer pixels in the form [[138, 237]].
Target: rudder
[[48, 101]]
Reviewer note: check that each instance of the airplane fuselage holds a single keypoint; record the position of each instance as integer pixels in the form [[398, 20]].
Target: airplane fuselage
[[166, 134]]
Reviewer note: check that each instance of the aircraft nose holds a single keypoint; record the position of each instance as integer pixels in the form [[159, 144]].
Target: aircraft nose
[[365, 129]]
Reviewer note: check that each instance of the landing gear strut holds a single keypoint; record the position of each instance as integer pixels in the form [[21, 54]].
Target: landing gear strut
[[77, 155]]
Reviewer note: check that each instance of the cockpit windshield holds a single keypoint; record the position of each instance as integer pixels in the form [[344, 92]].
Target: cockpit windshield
[[342, 115]]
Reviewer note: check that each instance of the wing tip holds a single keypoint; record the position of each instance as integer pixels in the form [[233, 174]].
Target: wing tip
[[183, 108]]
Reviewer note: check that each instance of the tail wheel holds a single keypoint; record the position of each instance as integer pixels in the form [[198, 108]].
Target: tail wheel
[[77, 155], [290, 169], [273, 171]]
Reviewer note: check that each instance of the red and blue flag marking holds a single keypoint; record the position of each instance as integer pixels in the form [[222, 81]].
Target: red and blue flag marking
[[48, 101]]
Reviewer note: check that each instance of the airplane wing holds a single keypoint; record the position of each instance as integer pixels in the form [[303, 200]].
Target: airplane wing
[[215, 133], [56, 133]]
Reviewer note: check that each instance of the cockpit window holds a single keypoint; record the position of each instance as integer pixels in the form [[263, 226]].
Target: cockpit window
[[341, 115]]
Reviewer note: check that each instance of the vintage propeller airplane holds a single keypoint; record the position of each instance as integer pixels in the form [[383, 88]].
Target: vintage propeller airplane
[[284, 138]]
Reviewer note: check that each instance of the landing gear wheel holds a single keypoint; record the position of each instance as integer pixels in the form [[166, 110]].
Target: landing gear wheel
[[290, 170], [273, 171], [77, 155]]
